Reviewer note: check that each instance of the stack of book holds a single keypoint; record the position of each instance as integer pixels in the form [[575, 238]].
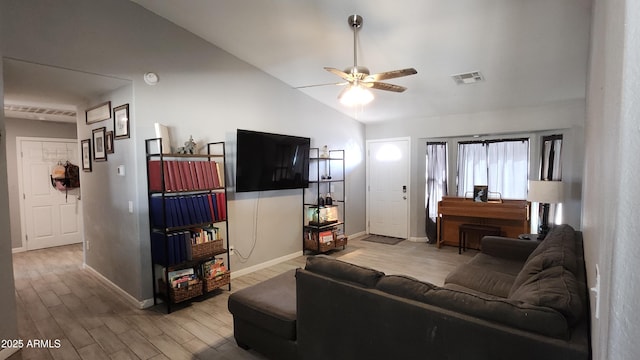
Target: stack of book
[[185, 175], [187, 210]]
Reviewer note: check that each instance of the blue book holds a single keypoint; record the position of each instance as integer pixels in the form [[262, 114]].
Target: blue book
[[184, 208], [158, 249], [216, 213], [157, 218], [192, 210], [170, 212], [204, 208]]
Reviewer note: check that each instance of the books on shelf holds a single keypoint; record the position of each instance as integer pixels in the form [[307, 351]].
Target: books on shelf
[[213, 268], [326, 236], [185, 175], [179, 244], [187, 210], [182, 278]]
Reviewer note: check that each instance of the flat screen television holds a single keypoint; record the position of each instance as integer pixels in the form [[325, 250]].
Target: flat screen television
[[266, 161]]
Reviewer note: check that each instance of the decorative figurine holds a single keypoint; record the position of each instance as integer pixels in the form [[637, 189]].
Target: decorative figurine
[[189, 147]]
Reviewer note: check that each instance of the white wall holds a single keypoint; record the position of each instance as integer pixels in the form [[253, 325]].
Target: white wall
[[204, 92], [28, 128], [567, 117], [8, 319], [612, 179]]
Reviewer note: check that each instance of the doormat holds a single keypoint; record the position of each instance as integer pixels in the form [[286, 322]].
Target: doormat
[[383, 239]]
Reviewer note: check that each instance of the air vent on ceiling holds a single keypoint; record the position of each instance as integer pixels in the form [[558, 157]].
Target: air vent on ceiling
[[467, 78], [35, 110]]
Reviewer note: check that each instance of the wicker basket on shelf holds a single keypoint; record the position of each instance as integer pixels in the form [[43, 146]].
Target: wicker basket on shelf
[[319, 246], [217, 282], [177, 295], [206, 249]]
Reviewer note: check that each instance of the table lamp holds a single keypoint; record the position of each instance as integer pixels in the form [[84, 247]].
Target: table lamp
[[544, 193]]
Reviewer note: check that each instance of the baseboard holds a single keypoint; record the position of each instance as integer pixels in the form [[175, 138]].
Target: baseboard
[[357, 235], [140, 304], [18, 250], [422, 239], [7, 352], [265, 264]]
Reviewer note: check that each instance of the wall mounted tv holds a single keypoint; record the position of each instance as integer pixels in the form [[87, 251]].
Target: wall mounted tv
[[266, 161]]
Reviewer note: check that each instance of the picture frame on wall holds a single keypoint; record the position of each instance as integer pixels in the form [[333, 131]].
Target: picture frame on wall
[[108, 141], [99, 147], [98, 113], [121, 122], [85, 148], [480, 193]]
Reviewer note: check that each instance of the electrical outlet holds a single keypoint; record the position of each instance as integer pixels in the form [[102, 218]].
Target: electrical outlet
[[231, 250], [88, 242]]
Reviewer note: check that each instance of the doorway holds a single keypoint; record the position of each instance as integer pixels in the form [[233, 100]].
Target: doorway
[[49, 217], [388, 190]]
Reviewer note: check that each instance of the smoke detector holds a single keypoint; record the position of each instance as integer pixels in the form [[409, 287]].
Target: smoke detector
[[467, 78]]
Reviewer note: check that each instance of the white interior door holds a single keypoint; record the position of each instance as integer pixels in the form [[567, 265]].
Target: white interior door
[[50, 217], [388, 187]]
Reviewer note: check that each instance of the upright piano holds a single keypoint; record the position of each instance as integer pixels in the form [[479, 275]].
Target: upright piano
[[513, 217]]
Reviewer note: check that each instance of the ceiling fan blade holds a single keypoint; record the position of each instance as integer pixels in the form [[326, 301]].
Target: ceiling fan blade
[[384, 86], [340, 73], [391, 74], [327, 84]]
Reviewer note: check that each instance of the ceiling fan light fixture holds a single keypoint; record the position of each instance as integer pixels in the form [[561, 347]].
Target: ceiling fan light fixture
[[356, 95]]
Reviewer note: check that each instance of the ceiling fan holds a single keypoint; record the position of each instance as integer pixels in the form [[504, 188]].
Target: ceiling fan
[[359, 79]]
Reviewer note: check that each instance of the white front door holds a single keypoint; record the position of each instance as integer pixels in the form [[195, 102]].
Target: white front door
[[49, 217], [388, 187]]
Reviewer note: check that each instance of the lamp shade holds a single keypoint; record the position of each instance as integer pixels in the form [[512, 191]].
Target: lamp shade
[[545, 192]]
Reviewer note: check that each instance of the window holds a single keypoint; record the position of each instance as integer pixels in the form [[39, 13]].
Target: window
[[502, 165]]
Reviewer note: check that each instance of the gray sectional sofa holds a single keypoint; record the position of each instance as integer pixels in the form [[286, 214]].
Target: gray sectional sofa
[[517, 299]]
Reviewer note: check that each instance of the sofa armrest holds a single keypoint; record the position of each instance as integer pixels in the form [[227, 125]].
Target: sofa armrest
[[508, 248]]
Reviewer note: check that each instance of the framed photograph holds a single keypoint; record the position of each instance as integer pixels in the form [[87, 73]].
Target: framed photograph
[[99, 148], [121, 122], [108, 142], [85, 148], [98, 113], [480, 193]]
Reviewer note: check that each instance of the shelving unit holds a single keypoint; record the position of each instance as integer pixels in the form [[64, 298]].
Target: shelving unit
[[324, 220], [189, 233]]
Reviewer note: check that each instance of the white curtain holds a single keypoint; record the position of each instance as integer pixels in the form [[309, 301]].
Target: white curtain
[[551, 169], [436, 176], [472, 167], [508, 168]]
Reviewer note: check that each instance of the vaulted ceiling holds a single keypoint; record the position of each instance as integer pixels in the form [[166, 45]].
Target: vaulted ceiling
[[530, 53]]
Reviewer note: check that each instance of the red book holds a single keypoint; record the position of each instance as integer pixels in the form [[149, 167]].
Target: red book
[[171, 185], [155, 178], [185, 172], [177, 176], [213, 214], [194, 176], [222, 210], [202, 180]]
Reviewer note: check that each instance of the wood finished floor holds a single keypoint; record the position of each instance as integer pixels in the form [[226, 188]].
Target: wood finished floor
[[57, 299]]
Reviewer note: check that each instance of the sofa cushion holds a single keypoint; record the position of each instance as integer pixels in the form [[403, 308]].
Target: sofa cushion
[[557, 249], [270, 304], [340, 270], [555, 288], [513, 313], [405, 286], [483, 278]]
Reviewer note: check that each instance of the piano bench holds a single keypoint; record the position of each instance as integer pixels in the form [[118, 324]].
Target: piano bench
[[477, 229]]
